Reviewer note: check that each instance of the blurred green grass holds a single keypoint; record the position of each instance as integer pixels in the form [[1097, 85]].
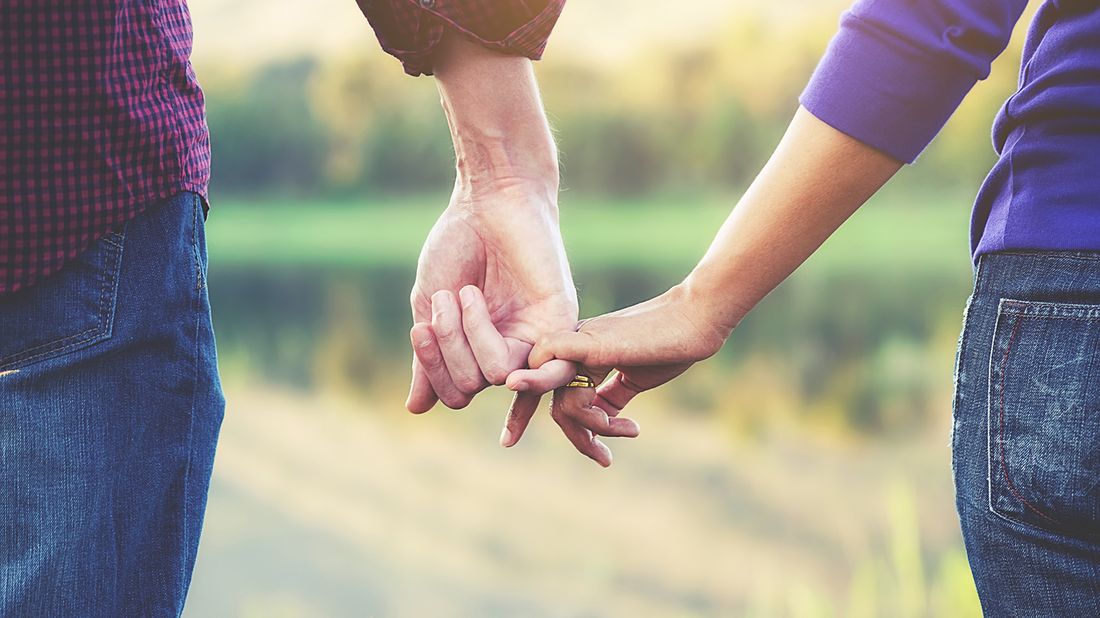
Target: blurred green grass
[[896, 232]]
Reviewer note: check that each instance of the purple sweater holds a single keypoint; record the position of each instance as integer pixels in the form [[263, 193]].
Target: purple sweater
[[898, 69]]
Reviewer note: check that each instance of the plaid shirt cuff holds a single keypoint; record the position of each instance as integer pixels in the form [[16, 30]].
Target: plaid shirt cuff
[[411, 29]]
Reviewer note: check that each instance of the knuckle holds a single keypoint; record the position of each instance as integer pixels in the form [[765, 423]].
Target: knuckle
[[469, 321], [444, 331], [468, 384], [594, 425], [496, 374], [599, 420], [430, 359]]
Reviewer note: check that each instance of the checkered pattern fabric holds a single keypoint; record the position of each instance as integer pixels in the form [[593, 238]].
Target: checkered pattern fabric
[[100, 115], [411, 29]]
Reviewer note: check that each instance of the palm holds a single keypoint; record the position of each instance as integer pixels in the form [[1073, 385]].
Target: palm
[[519, 267], [510, 251]]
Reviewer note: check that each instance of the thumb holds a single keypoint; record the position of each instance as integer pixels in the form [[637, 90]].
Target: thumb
[[582, 347], [552, 374], [554, 361]]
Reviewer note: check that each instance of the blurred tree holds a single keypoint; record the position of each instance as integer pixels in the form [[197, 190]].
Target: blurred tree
[[699, 119], [265, 136]]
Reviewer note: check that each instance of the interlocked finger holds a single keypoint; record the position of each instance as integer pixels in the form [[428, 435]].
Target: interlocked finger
[[435, 367], [457, 355]]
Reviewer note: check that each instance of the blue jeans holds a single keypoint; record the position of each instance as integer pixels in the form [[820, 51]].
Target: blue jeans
[[1026, 437], [110, 407]]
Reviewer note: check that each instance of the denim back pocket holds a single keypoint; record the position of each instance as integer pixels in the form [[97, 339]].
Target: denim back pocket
[[65, 312], [1044, 416]]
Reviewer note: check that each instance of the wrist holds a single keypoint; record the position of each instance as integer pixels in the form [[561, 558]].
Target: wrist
[[500, 163], [702, 330], [714, 300], [487, 160], [498, 127], [506, 197]]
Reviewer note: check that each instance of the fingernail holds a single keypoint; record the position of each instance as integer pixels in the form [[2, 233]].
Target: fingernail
[[467, 296], [506, 438], [520, 386]]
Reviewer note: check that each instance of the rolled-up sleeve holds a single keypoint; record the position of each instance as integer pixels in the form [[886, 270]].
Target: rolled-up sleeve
[[411, 29], [898, 69]]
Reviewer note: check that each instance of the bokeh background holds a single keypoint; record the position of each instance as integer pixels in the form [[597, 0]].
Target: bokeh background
[[805, 471]]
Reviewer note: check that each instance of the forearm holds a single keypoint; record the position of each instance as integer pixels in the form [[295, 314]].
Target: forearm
[[814, 181], [500, 132]]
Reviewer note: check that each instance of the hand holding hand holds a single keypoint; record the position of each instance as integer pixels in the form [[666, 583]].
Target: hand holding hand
[[492, 278], [647, 345], [499, 235]]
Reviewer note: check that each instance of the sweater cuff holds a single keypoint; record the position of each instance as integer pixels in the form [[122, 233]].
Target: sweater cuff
[[884, 92]]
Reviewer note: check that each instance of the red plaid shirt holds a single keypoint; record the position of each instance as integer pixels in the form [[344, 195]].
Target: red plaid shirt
[[411, 29], [101, 114]]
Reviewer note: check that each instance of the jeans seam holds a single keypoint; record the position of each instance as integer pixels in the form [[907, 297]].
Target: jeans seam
[[196, 209], [960, 362], [1077, 318], [956, 400], [185, 532], [964, 337], [1083, 256]]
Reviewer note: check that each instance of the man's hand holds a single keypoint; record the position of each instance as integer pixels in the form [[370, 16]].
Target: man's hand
[[504, 255], [492, 278], [493, 275]]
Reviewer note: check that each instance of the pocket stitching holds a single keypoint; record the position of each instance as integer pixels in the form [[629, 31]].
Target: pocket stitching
[[95, 333], [22, 356], [1001, 430], [1054, 311], [1019, 309], [108, 280]]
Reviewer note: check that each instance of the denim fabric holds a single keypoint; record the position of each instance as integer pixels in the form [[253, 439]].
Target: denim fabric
[[1026, 433], [110, 407]]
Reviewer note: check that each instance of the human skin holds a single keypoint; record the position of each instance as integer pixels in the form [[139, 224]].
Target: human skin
[[816, 178], [493, 275]]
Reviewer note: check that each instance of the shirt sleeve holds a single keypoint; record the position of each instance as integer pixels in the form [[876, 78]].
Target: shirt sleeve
[[411, 29], [898, 69]]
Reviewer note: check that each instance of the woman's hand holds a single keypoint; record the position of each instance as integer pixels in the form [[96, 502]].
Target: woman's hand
[[646, 345], [816, 179]]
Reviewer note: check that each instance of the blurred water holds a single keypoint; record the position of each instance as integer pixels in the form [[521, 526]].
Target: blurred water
[[328, 506], [765, 483]]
